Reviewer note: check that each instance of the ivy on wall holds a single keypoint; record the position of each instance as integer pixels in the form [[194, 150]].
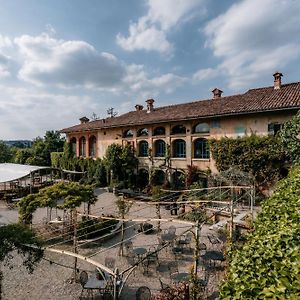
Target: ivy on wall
[[267, 266], [290, 135], [262, 157]]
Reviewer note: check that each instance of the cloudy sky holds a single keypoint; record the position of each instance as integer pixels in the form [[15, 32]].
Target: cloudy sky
[[64, 59]]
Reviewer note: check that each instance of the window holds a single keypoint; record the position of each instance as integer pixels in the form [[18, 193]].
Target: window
[[128, 133], [142, 132], [143, 149], [201, 128], [73, 145], [159, 131], [240, 131], [273, 128], [215, 123], [160, 148], [159, 177], [92, 146], [178, 129], [179, 148], [82, 143], [201, 149]]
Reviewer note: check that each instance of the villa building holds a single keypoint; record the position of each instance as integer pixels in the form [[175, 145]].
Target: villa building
[[183, 130]]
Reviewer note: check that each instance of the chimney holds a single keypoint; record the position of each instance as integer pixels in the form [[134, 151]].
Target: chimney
[[84, 120], [149, 105], [277, 80], [139, 107], [217, 93]]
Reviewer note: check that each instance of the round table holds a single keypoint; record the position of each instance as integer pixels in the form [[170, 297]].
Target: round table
[[139, 251], [179, 277]]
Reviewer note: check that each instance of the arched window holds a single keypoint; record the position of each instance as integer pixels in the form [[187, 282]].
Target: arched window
[[201, 149], [92, 146], [159, 131], [128, 133], [160, 148], [73, 145], [143, 149], [178, 129], [82, 143], [142, 132], [201, 128], [179, 148]]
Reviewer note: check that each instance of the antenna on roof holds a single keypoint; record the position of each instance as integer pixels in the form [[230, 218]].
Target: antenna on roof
[[111, 112]]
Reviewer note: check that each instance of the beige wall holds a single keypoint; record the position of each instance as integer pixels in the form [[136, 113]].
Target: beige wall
[[254, 123]]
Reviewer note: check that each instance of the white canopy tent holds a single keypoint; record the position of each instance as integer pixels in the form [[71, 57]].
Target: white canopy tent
[[10, 172]]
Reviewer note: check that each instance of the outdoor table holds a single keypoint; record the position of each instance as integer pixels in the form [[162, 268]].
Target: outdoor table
[[179, 277], [95, 284], [139, 251], [214, 256]]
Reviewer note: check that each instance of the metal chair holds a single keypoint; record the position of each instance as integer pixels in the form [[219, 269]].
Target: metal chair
[[110, 262], [129, 247], [152, 256], [83, 278], [172, 230], [143, 293], [163, 286], [173, 267]]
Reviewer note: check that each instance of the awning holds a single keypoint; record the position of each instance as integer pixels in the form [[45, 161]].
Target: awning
[[11, 172]]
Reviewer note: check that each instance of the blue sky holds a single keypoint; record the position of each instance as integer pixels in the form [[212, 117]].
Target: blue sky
[[64, 59]]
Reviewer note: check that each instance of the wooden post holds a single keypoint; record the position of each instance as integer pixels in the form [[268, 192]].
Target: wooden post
[[116, 278], [197, 250], [75, 242], [231, 221], [158, 216]]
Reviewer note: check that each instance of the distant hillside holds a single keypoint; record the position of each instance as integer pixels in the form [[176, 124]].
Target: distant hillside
[[19, 143]]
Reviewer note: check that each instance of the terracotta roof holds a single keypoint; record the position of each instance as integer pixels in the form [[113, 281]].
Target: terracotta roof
[[254, 100]]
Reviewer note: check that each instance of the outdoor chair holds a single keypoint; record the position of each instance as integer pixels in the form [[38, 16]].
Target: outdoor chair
[[152, 256], [173, 267], [163, 286], [129, 247], [172, 230], [83, 278], [143, 293], [110, 262], [186, 242]]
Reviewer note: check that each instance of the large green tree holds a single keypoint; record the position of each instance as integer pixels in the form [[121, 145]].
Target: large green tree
[[40, 152], [15, 237], [5, 153]]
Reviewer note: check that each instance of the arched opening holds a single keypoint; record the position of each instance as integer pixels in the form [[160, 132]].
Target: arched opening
[[178, 180], [73, 145], [159, 131], [82, 147], [179, 148], [159, 148], [142, 178], [128, 133], [178, 129], [201, 149], [143, 149], [143, 132], [92, 146], [159, 177], [201, 128]]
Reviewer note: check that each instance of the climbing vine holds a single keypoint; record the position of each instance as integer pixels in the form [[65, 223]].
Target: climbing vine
[[263, 157]]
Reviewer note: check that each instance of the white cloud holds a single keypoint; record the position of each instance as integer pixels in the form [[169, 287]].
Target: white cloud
[[255, 38], [205, 74], [150, 31], [49, 61], [140, 82]]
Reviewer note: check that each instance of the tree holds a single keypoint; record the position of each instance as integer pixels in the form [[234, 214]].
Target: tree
[[5, 153], [121, 163], [290, 136], [17, 237]]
